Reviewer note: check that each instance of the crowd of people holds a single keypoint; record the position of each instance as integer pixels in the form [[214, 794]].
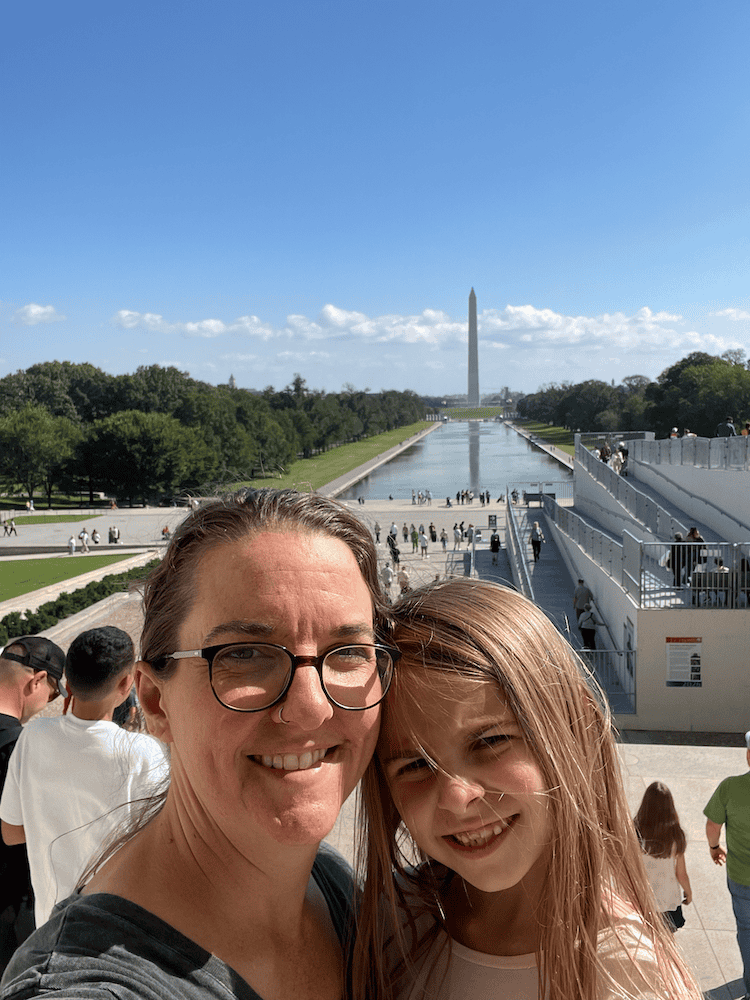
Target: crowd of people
[[277, 677]]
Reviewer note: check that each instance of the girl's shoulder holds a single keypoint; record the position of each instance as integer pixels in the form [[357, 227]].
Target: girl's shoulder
[[629, 961]]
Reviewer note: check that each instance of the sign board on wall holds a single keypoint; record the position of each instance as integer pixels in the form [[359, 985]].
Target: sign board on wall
[[684, 661]]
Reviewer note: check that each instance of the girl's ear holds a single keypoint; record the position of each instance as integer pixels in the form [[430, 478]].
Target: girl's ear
[[149, 688]]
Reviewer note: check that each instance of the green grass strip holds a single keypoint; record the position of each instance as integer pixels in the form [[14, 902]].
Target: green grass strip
[[473, 413], [322, 469], [561, 437], [55, 518], [22, 576]]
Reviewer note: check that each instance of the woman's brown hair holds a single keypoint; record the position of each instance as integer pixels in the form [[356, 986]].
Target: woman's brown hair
[[168, 591], [471, 626]]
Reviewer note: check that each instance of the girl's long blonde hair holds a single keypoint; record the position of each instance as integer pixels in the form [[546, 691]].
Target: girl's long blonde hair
[[471, 626]]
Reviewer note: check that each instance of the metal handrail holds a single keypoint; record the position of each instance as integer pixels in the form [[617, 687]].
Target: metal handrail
[[517, 551]]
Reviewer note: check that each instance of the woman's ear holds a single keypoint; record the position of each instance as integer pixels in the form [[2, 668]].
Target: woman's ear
[[149, 688]]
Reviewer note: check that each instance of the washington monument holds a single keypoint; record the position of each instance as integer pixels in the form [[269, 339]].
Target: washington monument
[[473, 354]]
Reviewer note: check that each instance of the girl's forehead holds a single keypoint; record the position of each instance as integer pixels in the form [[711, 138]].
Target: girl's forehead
[[429, 703]]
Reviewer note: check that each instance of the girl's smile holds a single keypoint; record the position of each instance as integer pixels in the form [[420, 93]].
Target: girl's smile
[[464, 779]]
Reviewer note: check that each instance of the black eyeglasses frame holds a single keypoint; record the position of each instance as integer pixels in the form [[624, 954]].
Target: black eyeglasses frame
[[210, 652]]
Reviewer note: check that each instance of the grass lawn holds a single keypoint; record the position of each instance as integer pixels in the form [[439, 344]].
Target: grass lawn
[[561, 437], [54, 518], [21, 576], [477, 413], [330, 465]]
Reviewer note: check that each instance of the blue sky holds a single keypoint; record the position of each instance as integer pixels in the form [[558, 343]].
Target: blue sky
[[314, 187]]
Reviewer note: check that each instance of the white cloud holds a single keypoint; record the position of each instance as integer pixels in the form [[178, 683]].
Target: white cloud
[[205, 328], [32, 314], [646, 331], [523, 327], [733, 314]]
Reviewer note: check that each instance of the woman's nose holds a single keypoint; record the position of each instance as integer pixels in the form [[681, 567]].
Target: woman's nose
[[456, 794], [305, 704]]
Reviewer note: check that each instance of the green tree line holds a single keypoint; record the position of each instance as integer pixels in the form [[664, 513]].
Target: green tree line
[[694, 394], [70, 427]]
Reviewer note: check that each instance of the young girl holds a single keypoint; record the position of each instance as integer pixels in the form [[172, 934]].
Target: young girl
[[497, 756], [663, 842]]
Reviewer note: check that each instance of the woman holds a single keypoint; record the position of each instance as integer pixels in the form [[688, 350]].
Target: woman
[[498, 759], [259, 625]]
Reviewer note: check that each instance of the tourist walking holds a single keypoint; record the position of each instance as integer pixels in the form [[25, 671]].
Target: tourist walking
[[71, 545], [536, 541], [444, 538], [587, 624], [414, 539], [377, 531], [726, 429], [730, 806], [457, 536], [494, 546], [423, 543], [581, 597], [394, 550], [663, 843]]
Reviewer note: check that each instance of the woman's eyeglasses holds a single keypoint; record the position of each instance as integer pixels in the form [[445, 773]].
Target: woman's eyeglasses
[[252, 676]]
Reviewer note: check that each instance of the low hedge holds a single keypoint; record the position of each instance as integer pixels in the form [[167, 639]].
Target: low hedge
[[47, 615]]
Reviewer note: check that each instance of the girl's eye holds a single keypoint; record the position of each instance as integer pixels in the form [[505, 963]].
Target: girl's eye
[[419, 766], [493, 740]]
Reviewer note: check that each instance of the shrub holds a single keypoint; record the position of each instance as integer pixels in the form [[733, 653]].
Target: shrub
[[30, 622]]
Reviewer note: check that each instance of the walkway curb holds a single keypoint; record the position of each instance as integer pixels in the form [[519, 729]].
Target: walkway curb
[[342, 483]]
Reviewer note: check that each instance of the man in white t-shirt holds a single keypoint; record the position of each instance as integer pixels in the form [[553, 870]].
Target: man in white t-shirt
[[72, 780]]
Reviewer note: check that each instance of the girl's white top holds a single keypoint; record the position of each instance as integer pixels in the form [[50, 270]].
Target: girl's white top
[[459, 973], [663, 879]]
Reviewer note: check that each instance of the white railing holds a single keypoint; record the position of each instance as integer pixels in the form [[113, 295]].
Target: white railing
[[641, 507], [703, 453]]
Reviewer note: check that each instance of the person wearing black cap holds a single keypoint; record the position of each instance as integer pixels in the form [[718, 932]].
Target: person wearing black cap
[[71, 779], [31, 670]]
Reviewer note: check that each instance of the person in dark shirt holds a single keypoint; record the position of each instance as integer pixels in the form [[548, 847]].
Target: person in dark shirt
[[31, 670]]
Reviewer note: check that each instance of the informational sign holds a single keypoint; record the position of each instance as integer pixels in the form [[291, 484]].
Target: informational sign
[[493, 521], [684, 661]]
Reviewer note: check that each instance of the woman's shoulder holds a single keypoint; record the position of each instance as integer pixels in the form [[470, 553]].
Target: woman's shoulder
[[103, 946]]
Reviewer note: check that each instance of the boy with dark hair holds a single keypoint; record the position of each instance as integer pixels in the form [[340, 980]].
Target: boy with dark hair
[[72, 780]]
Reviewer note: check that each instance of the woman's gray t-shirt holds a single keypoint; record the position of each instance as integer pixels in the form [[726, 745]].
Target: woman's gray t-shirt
[[102, 946]]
